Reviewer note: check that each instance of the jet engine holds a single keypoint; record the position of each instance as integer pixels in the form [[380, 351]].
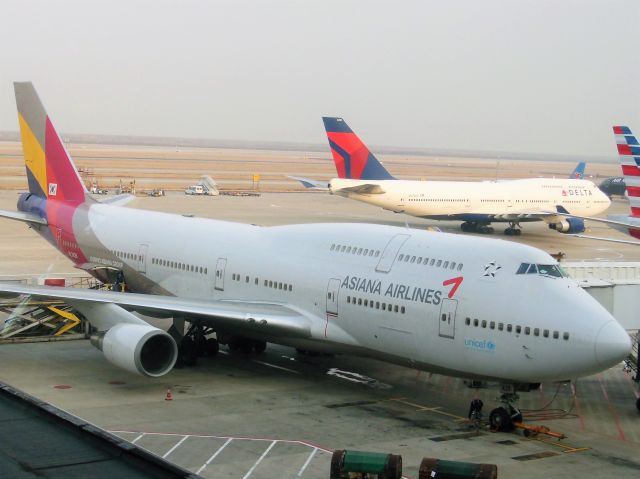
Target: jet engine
[[568, 225], [138, 348]]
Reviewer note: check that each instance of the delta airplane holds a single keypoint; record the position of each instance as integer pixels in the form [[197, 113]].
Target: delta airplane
[[478, 204], [629, 151], [456, 305]]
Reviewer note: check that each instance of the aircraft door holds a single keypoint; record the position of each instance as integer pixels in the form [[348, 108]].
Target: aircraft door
[[390, 252], [142, 258], [332, 296], [447, 318], [220, 267]]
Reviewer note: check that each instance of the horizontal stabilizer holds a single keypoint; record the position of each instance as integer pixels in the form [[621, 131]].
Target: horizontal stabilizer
[[311, 184], [23, 216], [366, 189], [119, 200]]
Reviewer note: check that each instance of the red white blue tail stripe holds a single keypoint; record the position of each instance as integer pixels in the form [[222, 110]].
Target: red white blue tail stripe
[[629, 151]]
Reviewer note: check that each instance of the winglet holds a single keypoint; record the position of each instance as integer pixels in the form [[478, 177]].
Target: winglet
[[50, 170], [352, 158]]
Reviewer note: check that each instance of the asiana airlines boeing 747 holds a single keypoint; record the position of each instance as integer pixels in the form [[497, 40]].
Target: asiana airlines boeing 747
[[462, 306]]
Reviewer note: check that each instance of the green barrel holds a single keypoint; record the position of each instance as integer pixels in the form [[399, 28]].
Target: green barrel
[[456, 470], [386, 466]]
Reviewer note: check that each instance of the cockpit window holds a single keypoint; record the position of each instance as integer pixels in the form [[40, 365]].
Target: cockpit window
[[553, 270]]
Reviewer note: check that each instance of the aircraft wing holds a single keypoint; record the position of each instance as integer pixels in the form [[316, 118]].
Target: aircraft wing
[[311, 184], [600, 220], [269, 319], [22, 216], [366, 189], [613, 240]]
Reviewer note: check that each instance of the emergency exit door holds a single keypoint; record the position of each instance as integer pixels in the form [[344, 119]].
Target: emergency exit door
[[219, 279], [332, 296], [447, 318]]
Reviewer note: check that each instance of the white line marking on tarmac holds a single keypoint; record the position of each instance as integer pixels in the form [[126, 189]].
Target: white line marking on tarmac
[[259, 460], [306, 463], [276, 366], [215, 454], [175, 447], [137, 438]]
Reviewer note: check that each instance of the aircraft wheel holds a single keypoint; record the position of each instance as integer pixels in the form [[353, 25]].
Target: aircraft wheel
[[509, 231], [517, 232], [638, 404], [394, 467], [499, 420], [188, 352], [246, 346], [212, 347], [465, 227], [489, 229]]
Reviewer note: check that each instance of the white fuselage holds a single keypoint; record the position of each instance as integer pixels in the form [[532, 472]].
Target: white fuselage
[[497, 200], [372, 290]]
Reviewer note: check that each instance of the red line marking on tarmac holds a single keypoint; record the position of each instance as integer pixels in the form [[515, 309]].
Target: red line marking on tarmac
[[578, 410], [611, 409]]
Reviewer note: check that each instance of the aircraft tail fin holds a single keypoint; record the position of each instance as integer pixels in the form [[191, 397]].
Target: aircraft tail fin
[[352, 158], [50, 171], [629, 151], [578, 172]]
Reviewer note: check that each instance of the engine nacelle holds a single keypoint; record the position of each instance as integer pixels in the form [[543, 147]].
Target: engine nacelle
[[138, 348], [568, 225]]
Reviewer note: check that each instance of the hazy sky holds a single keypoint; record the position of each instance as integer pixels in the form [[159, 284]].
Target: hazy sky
[[548, 76]]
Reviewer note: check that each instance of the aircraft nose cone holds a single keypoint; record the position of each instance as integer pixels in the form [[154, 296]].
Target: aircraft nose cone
[[613, 344]]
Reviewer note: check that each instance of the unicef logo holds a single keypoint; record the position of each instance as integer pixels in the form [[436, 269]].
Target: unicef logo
[[480, 345]]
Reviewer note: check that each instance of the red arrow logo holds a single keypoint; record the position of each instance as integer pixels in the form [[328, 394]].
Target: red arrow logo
[[456, 282]]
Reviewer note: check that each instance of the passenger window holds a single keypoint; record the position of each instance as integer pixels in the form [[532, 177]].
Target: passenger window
[[342, 250], [377, 253], [348, 299], [518, 329], [453, 265], [366, 252], [432, 262], [333, 246], [484, 323], [527, 330], [359, 250], [445, 265], [366, 302], [290, 287], [500, 326], [419, 260], [545, 333], [359, 301], [459, 266], [509, 328], [395, 310], [492, 325], [556, 335], [402, 309], [444, 317], [565, 336], [256, 281], [475, 323], [384, 306], [413, 259], [400, 257], [468, 321], [266, 283], [349, 249], [438, 263], [536, 332], [377, 304]]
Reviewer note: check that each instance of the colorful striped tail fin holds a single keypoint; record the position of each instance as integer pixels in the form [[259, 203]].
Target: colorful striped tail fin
[[50, 170], [629, 151], [352, 157]]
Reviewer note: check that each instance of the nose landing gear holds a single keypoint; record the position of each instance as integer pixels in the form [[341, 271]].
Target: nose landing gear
[[502, 418]]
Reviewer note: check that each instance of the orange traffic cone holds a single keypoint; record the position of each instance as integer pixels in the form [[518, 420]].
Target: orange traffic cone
[[169, 396]]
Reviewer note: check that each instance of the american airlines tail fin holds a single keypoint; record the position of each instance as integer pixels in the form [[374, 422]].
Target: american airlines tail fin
[[50, 171], [352, 157], [578, 173], [629, 151]]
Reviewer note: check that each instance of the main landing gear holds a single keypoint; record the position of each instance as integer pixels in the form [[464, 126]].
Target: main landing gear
[[195, 344], [475, 227], [503, 417], [513, 229]]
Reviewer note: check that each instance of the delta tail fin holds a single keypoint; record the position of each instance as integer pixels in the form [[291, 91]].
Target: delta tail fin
[[629, 151], [50, 171], [352, 157], [578, 172]]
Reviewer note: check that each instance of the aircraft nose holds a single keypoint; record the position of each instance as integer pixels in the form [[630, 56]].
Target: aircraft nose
[[613, 344]]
